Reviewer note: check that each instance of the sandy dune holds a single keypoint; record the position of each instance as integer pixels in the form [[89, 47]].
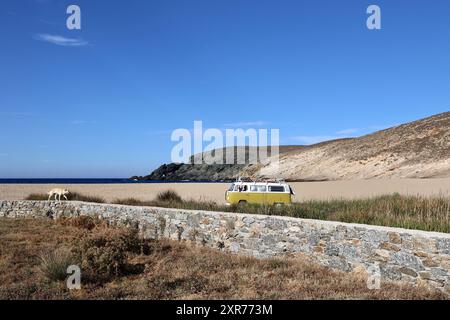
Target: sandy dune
[[215, 191]]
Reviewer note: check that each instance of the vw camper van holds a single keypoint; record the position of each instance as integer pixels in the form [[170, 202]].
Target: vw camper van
[[259, 192]]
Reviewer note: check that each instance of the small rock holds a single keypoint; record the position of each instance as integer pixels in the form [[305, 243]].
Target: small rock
[[408, 271], [395, 238], [389, 246]]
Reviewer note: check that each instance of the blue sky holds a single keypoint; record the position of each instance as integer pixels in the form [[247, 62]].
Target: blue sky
[[102, 101]]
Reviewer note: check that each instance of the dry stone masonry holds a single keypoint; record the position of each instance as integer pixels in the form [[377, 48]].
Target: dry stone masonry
[[411, 256]]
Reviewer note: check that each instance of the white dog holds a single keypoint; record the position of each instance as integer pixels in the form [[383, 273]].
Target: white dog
[[58, 193]]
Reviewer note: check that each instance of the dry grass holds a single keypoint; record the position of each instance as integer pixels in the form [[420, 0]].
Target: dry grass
[[409, 212], [73, 196], [164, 269]]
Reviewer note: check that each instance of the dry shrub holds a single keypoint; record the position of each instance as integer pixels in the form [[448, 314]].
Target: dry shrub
[[81, 222], [104, 251], [73, 196], [54, 263], [37, 197], [80, 197], [131, 202], [168, 196]]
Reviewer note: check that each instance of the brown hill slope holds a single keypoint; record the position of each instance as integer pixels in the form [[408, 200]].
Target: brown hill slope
[[420, 149]]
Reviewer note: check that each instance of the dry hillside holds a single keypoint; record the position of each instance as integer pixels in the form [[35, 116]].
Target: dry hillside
[[420, 149]]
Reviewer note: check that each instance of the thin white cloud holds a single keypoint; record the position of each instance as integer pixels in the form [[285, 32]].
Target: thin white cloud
[[348, 131], [246, 124], [313, 139], [60, 40]]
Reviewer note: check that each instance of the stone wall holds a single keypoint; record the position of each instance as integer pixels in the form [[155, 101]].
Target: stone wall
[[405, 255]]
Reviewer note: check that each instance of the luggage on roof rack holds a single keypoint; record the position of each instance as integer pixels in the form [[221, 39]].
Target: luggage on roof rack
[[263, 180], [244, 179]]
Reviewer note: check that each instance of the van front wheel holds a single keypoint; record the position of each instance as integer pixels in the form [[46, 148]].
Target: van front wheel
[[241, 202]]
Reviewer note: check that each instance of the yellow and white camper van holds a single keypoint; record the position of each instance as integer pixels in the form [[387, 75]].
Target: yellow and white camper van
[[259, 192]]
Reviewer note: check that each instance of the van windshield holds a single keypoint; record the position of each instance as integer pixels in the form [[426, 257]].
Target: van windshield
[[231, 188]]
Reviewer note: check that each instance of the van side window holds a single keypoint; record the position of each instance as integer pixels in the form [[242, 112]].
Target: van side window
[[276, 188], [256, 188]]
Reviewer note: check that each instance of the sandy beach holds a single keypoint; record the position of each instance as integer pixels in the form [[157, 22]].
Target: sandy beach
[[216, 191]]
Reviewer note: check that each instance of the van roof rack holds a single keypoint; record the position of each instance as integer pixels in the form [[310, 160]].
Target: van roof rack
[[266, 180], [244, 179], [270, 180]]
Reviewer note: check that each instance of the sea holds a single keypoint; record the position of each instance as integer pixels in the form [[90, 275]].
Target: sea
[[87, 181]]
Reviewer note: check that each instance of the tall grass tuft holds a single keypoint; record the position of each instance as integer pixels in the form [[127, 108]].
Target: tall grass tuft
[[54, 264], [169, 196]]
